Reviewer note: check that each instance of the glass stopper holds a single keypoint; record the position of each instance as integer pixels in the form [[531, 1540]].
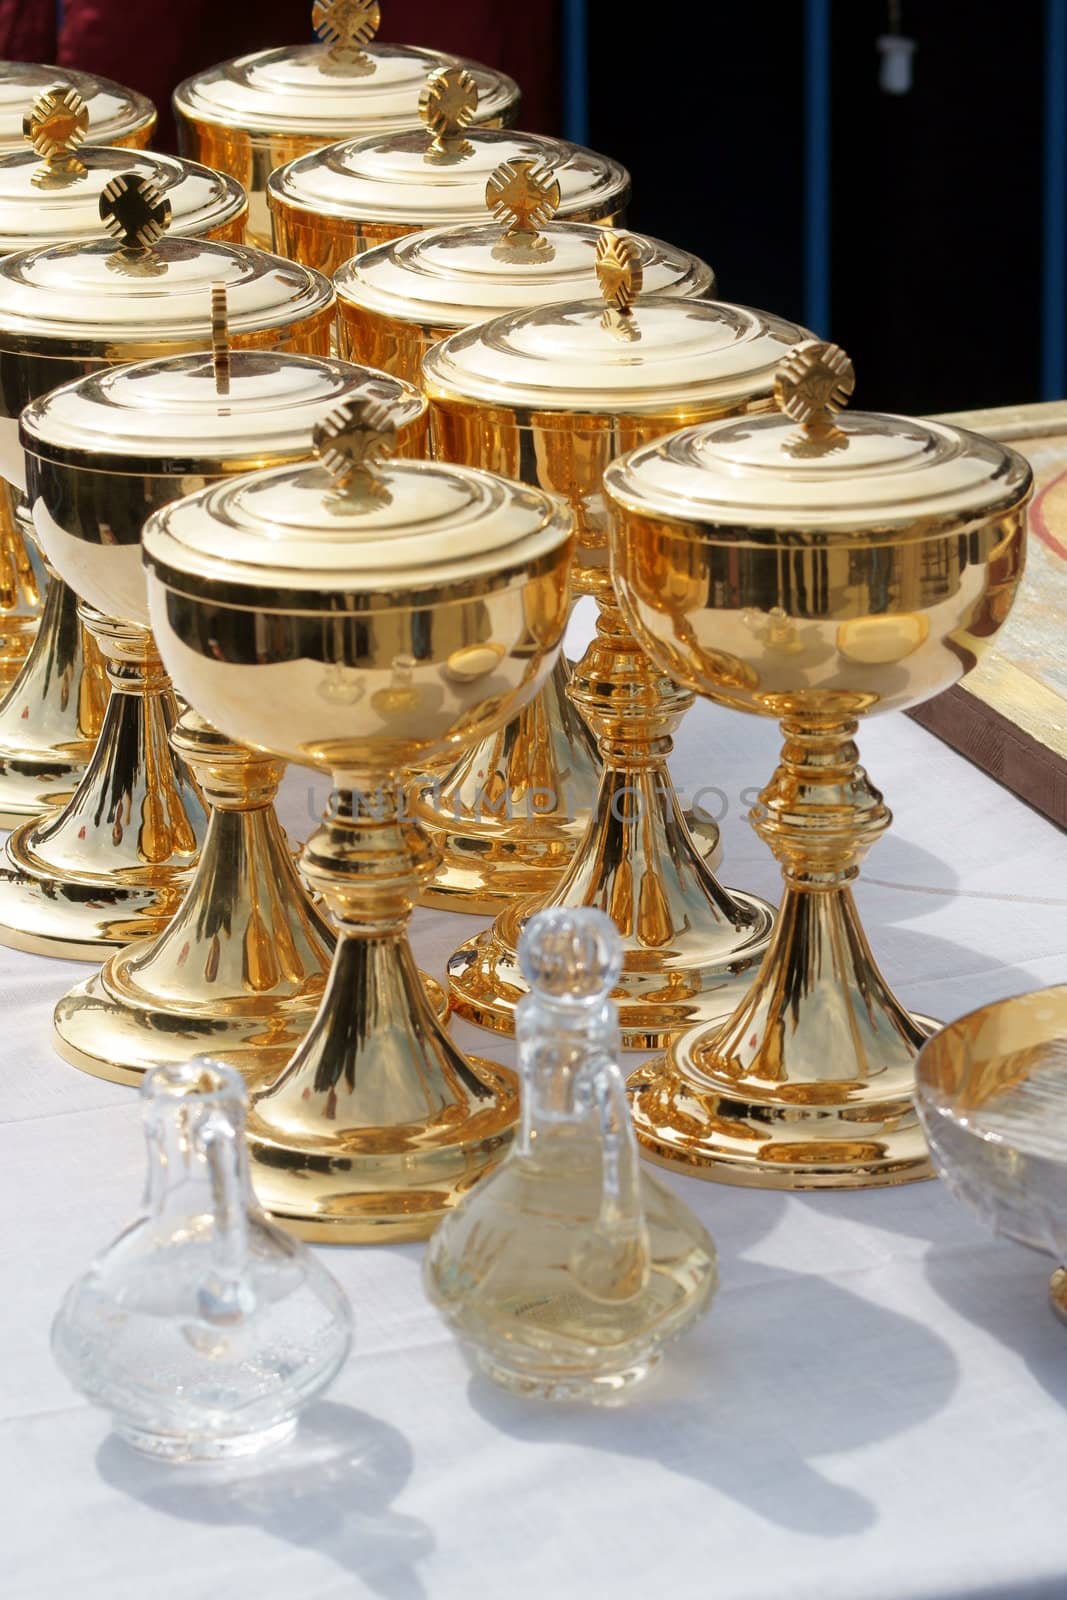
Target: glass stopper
[[571, 957]]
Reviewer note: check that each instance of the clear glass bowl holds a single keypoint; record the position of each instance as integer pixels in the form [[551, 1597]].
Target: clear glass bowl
[[992, 1094]]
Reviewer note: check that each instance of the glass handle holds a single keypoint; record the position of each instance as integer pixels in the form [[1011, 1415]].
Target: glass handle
[[612, 1258], [225, 1295]]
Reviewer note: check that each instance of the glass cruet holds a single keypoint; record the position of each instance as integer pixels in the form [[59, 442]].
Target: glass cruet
[[566, 1269], [203, 1328]]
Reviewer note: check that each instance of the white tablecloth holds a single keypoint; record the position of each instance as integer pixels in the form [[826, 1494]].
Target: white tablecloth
[[873, 1410]]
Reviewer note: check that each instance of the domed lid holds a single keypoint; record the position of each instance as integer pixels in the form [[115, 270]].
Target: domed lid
[[453, 277], [227, 411], [115, 114], [353, 529], [858, 473], [343, 86], [50, 194], [146, 294], [438, 174], [658, 356]]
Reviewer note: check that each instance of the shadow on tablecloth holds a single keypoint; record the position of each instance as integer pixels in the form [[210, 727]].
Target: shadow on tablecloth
[[329, 1490], [787, 1368]]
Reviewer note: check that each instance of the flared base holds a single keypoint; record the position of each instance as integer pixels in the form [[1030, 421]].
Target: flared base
[[240, 971], [27, 789], [77, 920], [478, 880], [179, 1448], [114, 864], [380, 1124], [509, 816], [391, 1187], [606, 1388], [105, 1028], [810, 1084], [50, 715], [657, 998], [830, 1135]]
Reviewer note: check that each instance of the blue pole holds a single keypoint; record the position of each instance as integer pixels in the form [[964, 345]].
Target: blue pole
[[576, 71], [1054, 237], [817, 165]]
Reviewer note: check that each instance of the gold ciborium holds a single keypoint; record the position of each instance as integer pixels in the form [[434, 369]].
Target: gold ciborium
[[254, 114], [239, 970], [615, 371], [330, 205], [50, 195], [115, 115], [814, 571], [113, 864], [991, 1090], [397, 299], [283, 602]]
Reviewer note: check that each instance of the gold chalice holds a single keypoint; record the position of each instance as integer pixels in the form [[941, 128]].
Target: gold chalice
[[356, 616], [815, 571], [113, 864], [393, 304], [557, 393], [239, 970], [332, 204], [991, 1090], [253, 114], [50, 195]]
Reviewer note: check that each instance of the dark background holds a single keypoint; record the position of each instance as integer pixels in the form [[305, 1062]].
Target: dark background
[[936, 216]]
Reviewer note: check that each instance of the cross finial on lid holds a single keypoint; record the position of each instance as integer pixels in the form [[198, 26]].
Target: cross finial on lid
[[56, 124], [220, 338], [355, 436], [447, 104], [345, 26], [618, 270], [522, 196], [813, 383], [135, 211]]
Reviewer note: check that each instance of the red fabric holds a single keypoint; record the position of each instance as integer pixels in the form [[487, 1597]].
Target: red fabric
[[152, 45], [28, 30]]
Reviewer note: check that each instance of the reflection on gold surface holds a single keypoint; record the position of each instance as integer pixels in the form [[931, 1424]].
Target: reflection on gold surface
[[379, 1122], [55, 125], [818, 600], [689, 944], [240, 969], [239, 964], [50, 720]]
